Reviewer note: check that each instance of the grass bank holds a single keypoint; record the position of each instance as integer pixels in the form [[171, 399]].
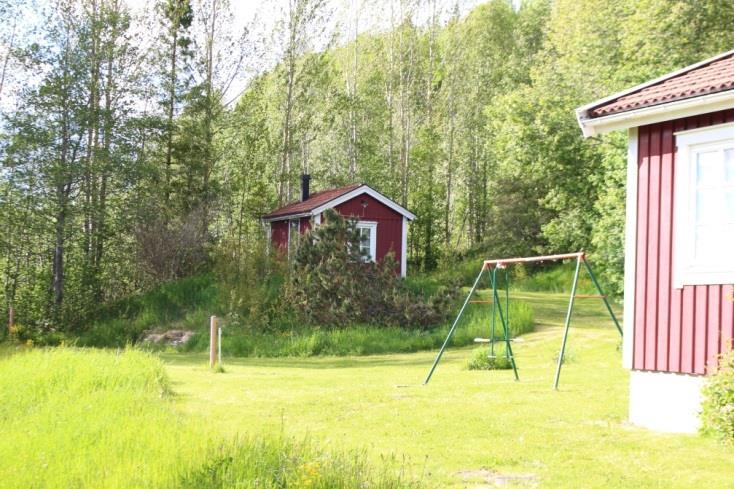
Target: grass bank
[[188, 303], [81, 418], [361, 340]]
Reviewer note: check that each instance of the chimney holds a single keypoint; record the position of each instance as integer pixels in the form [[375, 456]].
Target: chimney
[[305, 181]]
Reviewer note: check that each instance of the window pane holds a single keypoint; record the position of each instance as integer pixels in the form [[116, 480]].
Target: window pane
[[708, 206], [365, 241], [708, 168], [729, 205], [729, 166]]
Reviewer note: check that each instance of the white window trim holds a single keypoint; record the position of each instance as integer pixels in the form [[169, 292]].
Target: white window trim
[[372, 226], [404, 248], [689, 142]]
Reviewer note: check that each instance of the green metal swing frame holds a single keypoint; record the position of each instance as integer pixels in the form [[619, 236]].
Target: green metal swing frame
[[492, 266]]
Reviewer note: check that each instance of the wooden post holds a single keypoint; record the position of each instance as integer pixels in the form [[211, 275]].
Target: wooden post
[[219, 346], [11, 319], [212, 341]]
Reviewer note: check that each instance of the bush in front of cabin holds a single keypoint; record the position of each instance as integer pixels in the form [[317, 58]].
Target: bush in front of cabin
[[718, 400], [333, 284]]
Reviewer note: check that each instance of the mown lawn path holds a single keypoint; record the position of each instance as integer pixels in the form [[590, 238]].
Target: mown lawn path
[[466, 428]]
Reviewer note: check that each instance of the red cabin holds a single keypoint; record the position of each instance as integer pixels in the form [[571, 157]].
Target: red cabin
[[382, 223], [679, 253]]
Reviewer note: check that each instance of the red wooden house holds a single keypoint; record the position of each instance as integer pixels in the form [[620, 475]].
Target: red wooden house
[[382, 223], [679, 253]]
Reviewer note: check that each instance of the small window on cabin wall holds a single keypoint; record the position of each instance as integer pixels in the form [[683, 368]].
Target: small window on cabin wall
[[368, 240], [704, 225], [293, 235]]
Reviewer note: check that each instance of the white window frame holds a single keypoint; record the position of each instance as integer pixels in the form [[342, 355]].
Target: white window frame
[[372, 226], [690, 143]]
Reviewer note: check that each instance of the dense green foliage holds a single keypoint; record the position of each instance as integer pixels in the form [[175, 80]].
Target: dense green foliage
[[333, 283], [124, 168], [84, 418], [718, 400]]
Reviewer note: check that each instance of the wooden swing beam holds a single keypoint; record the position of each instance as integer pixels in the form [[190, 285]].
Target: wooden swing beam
[[500, 263]]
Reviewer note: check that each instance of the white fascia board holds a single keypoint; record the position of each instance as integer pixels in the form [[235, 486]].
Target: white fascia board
[[287, 217], [630, 251], [656, 113], [364, 189]]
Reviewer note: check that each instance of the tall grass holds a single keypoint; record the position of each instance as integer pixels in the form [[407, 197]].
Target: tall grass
[[81, 418], [364, 340], [187, 304], [184, 303]]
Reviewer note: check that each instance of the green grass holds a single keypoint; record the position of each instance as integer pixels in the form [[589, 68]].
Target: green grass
[[85, 418], [362, 340], [465, 428], [186, 303]]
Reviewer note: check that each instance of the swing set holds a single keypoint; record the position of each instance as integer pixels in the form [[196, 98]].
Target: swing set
[[503, 312]]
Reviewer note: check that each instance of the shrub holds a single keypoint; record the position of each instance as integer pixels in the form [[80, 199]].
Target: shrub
[[332, 284], [481, 359], [718, 400]]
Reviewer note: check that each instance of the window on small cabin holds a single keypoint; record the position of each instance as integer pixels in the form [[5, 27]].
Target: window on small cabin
[[368, 240], [293, 234], [704, 242]]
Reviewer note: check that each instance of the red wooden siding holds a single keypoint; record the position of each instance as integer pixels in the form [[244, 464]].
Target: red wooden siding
[[676, 330], [389, 223], [279, 234]]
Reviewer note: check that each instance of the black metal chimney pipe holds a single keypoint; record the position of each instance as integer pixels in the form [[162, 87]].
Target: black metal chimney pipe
[[305, 191]]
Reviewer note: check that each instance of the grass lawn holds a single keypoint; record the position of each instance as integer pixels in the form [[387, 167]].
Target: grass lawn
[[466, 428]]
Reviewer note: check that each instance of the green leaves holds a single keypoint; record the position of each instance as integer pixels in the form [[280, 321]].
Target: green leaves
[[332, 284]]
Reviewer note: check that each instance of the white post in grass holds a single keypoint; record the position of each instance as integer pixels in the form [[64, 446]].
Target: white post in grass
[[219, 346], [212, 341]]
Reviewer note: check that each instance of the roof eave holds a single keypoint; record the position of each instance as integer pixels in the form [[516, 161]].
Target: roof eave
[[603, 101], [652, 114], [364, 188], [343, 198], [284, 217]]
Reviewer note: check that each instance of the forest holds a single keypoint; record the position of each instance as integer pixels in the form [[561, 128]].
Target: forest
[[139, 147]]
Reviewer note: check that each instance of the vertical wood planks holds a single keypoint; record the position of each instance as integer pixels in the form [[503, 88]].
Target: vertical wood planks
[[676, 330]]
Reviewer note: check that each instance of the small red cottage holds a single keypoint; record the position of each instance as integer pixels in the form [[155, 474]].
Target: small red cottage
[[679, 253], [382, 223]]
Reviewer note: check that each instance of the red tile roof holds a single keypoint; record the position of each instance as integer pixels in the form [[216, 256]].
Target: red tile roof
[[716, 76], [315, 200]]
